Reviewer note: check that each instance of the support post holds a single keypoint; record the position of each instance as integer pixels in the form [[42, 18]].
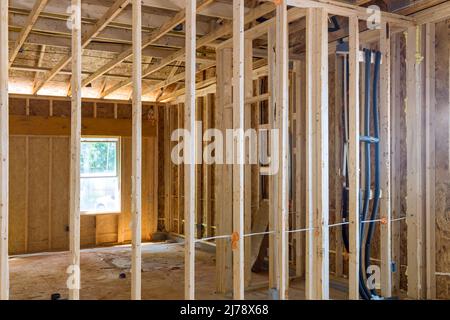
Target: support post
[[224, 174], [385, 170], [4, 150], [273, 185], [430, 154], [414, 180], [189, 171], [136, 151], [238, 166], [317, 64], [396, 111], [282, 106], [75, 141], [353, 166]]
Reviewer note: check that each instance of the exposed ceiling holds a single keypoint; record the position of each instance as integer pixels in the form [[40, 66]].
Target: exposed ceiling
[[44, 47]]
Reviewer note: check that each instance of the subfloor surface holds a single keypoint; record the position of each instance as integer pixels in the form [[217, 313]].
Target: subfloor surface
[[105, 274]]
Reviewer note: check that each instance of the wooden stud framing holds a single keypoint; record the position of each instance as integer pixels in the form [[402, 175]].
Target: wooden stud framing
[[248, 93], [282, 104], [136, 150], [238, 165], [430, 162], [349, 10], [385, 170], [189, 171], [353, 166], [223, 173], [317, 77], [414, 180], [309, 268], [273, 185], [396, 109], [207, 170], [75, 141], [4, 150]]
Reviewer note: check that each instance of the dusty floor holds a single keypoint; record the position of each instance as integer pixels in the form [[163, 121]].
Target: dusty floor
[[38, 276]]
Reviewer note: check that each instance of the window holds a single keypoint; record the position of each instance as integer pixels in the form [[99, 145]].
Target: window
[[99, 174]]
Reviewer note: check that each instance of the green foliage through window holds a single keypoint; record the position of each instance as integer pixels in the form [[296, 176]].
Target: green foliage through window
[[98, 158]]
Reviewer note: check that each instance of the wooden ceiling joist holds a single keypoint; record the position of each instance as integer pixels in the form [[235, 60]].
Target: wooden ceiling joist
[[31, 20], [256, 13], [150, 39], [112, 13]]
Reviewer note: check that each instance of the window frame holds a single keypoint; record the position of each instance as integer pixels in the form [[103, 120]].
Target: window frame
[[98, 138]]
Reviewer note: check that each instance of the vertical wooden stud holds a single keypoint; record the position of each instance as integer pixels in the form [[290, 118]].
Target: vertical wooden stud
[[430, 165], [414, 180], [189, 180], [385, 170], [136, 151], [273, 185], [238, 165], [353, 166], [223, 174], [4, 150], [75, 143], [248, 93], [317, 64], [282, 104]]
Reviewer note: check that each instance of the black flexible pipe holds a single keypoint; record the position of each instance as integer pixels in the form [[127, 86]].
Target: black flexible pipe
[[364, 291], [376, 201]]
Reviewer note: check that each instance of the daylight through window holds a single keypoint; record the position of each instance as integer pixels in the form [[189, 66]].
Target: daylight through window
[[99, 174]]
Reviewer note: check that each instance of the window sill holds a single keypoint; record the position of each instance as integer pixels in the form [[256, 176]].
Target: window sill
[[88, 213]]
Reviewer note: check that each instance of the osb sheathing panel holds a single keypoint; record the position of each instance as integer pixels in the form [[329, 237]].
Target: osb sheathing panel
[[442, 122], [59, 192], [17, 203], [38, 194]]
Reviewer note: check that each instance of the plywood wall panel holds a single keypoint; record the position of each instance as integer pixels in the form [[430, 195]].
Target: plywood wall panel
[[106, 228], [442, 131], [125, 217], [87, 231], [38, 193], [60, 193], [17, 203]]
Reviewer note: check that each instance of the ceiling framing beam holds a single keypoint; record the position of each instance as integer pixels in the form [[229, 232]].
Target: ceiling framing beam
[[218, 33], [109, 15], [150, 39], [31, 20]]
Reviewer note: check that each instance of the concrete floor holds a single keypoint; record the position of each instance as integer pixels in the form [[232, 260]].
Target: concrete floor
[[38, 276]]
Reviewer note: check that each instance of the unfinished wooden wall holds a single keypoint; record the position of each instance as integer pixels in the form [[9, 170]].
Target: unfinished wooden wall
[[39, 183], [442, 147], [169, 198]]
